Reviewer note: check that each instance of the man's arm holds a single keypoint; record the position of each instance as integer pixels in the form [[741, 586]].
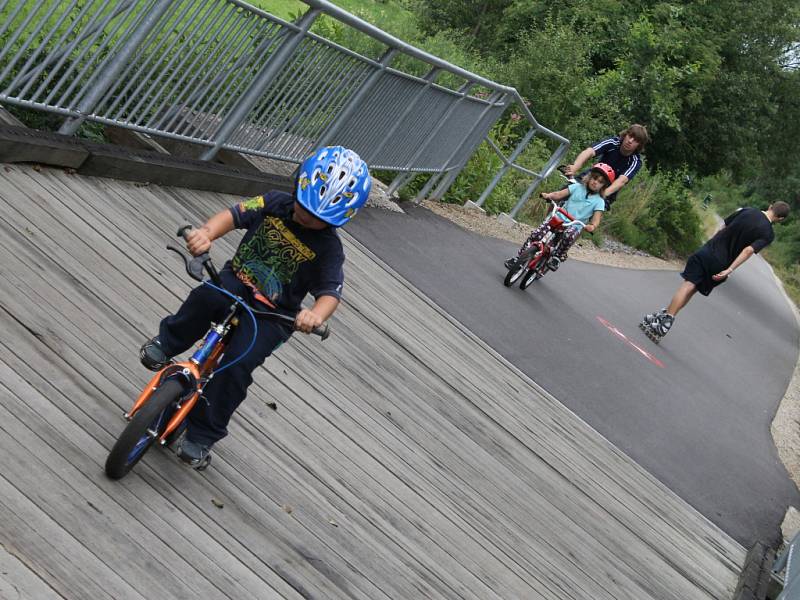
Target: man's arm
[[199, 240], [743, 256], [618, 183], [309, 318], [585, 155]]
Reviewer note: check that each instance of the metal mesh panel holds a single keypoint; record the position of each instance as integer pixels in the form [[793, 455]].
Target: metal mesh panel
[[52, 52], [191, 69], [396, 120], [477, 120], [301, 102]]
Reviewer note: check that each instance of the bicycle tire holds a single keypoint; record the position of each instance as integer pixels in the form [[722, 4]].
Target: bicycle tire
[[135, 440], [534, 273], [514, 274]]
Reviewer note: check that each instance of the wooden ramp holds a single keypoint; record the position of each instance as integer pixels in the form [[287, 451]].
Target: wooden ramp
[[404, 459]]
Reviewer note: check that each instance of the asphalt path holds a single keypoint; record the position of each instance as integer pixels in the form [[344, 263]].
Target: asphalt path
[[694, 411]]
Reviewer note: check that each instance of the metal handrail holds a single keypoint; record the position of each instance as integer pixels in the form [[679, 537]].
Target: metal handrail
[[256, 95]]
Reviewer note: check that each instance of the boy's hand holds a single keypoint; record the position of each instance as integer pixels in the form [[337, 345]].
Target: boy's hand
[[198, 241], [546, 195], [569, 170], [307, 320], [590, 228]]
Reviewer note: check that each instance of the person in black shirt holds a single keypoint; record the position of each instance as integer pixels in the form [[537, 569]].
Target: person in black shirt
[[745, 232], [291, 248]]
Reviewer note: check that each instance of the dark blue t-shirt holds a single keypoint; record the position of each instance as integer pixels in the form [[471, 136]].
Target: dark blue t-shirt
[[607, 151], [281, 260]]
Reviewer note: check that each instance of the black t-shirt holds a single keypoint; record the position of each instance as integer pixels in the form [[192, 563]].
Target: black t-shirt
[[745, 227], [281, 260]]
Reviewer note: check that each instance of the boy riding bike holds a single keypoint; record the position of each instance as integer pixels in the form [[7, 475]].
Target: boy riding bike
[[290, 249], [584, 202]]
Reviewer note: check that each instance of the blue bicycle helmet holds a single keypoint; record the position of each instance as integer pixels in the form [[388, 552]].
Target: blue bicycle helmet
[[333, 184]]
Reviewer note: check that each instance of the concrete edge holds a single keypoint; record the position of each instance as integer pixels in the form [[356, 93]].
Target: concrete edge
[[23, 145], [755, 578], [143, 159]]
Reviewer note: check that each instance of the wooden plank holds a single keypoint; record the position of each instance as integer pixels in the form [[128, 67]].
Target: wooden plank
[[170, 528], [18, 581]]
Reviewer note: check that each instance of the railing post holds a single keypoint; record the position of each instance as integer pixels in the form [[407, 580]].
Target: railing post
[[249, 99], [508, 162], [432, 180], [554, 159], [399, 181], [336, 125], [445, 183], [111, 73]]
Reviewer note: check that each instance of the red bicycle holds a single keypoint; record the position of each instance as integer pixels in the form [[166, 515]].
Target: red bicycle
[[533, 263]]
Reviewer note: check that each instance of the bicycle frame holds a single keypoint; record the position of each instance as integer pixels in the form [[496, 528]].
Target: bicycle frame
[[555, 225], [196, 371]]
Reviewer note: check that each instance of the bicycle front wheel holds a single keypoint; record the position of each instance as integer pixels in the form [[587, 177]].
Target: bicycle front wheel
[[535, 272], [143, 429], [514, 274]]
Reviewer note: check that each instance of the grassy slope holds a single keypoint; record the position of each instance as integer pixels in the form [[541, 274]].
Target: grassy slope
[[381, 14]]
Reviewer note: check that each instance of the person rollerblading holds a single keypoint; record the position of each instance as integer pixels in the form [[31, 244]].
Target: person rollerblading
[[744, 233]]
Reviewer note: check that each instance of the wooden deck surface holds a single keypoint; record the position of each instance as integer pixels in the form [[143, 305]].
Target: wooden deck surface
[[404, 460]]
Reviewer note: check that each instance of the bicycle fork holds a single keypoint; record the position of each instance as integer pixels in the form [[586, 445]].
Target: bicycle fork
[[192, 373]]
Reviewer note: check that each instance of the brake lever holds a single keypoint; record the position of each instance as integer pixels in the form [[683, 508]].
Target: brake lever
[[194, 267], [198, 263]]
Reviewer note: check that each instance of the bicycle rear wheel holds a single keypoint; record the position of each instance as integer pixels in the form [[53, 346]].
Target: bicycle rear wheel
[[143, 429]]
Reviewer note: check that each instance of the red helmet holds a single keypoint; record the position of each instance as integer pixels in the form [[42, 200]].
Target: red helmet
[[606, 170]]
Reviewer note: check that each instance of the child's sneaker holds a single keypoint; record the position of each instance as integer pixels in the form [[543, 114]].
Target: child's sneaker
[[195, 455], [553, 263], [657, 325], [510, 263], [152, 356]]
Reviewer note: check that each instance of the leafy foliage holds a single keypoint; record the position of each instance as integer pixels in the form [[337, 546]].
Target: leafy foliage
[[655, 213]]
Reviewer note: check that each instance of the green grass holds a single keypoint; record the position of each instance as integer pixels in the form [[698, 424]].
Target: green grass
[[389, 16]]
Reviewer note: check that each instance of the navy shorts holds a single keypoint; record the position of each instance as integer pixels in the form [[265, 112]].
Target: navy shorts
[[699, 270]]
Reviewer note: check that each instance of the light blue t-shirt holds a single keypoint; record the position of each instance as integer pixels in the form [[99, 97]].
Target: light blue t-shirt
[[581, 204]]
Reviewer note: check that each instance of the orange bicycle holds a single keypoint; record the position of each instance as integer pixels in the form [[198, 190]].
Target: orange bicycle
[[160, 411]]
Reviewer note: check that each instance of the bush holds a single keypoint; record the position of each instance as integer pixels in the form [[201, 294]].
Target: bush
[[655, 213]]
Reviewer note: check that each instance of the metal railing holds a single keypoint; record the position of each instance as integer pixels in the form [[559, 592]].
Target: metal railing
[[223, 74], [786, 570]]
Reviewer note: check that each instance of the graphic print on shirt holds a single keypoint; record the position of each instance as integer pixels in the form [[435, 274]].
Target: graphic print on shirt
[[269, 260]]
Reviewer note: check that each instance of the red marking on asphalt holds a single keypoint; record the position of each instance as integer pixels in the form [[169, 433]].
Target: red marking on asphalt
[[625, 339]]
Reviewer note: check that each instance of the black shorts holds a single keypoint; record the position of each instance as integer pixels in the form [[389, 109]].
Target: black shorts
[[699, 270]]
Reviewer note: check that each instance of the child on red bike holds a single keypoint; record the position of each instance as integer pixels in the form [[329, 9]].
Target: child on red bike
[[584, 202], [291, 248]]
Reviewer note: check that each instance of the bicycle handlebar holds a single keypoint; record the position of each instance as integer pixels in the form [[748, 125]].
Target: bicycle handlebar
[[197, 264], [570, 219]]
